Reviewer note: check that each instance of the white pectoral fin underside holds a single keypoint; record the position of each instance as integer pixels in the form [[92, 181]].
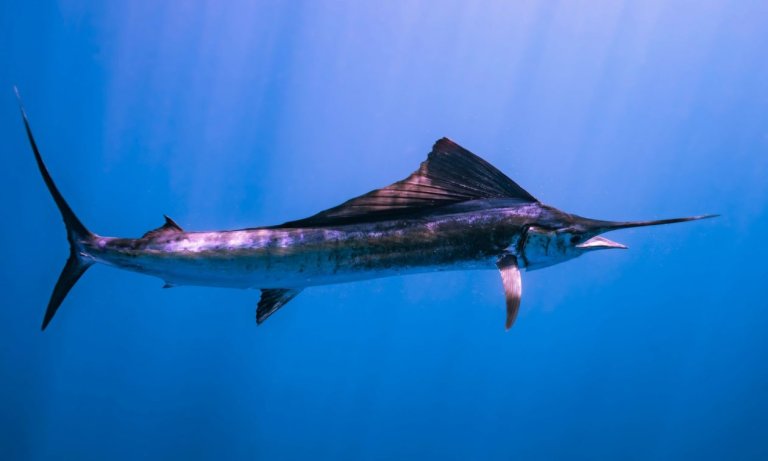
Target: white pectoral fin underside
[[513, 286]]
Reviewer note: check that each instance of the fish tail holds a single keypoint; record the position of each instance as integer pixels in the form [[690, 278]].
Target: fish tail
[[77, 234]]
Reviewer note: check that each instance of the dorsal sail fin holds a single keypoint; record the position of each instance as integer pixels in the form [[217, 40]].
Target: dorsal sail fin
[[450, 175], [169, 226]]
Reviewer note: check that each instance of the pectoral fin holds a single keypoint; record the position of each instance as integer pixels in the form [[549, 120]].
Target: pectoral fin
[[271, 300], [513, 285]]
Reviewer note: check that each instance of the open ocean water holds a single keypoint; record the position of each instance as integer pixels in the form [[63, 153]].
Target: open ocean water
[[237, 114]]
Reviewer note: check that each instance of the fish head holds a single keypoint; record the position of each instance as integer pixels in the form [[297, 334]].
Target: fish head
[[545, 247]]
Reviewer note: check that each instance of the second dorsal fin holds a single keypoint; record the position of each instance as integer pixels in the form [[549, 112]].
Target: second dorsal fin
[[450, 175], [169, 226]]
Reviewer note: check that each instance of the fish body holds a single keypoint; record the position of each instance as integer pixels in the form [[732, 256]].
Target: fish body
[[456, 239], [456, 212]]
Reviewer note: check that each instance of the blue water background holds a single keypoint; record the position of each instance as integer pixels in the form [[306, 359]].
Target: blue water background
[[237, 114]]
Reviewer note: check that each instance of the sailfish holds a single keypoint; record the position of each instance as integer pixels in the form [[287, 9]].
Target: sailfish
[[455, 212]]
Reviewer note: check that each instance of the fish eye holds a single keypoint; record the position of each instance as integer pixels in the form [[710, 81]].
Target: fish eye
[[575, 239]]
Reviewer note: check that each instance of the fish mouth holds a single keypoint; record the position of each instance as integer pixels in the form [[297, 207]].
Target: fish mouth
[[601, 243]]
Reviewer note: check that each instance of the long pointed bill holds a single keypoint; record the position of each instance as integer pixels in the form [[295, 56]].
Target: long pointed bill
[[606, 226], [598, 227], [601, 243]]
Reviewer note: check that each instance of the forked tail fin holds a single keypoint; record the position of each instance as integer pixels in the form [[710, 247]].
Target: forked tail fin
[[77, 234]]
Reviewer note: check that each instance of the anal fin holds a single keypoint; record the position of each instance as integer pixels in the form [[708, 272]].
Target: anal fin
[[513, 286], [271, 300]]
